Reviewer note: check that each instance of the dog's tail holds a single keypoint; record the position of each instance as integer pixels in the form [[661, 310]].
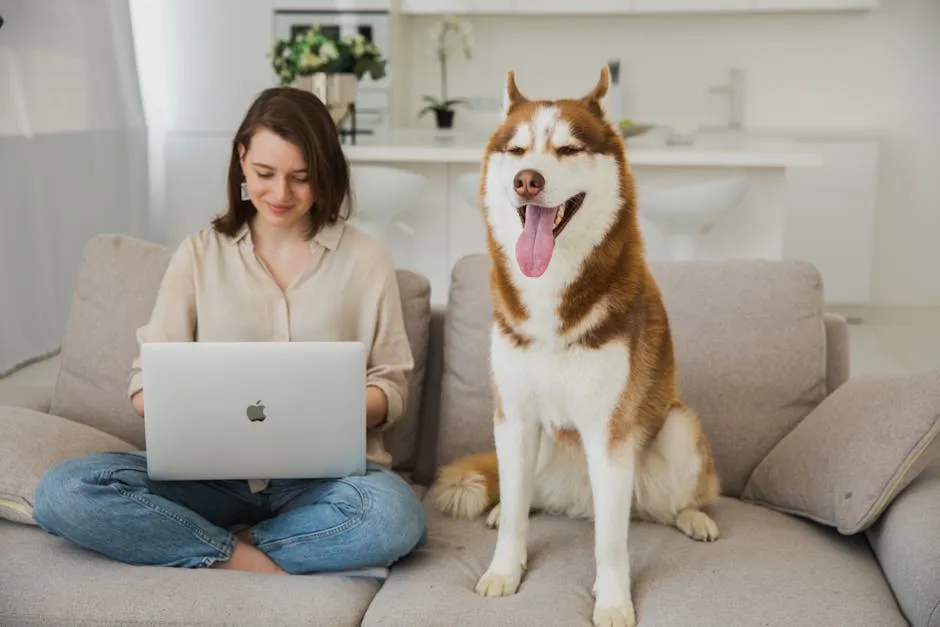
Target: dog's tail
[[467, 487]]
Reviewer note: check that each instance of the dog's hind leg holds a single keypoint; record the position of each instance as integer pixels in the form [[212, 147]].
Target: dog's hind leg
[[676, 477]]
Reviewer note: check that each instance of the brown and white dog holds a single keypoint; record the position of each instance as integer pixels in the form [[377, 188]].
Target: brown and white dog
[[588, 420]]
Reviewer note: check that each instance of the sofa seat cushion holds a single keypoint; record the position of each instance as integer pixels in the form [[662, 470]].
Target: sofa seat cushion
[[767, 568], [46, 581]]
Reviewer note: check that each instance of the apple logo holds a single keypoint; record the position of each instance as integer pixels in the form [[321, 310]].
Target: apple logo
[[256, 412]]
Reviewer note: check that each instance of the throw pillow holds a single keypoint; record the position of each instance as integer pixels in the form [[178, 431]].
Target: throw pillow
[[32, 442], [851, 456]]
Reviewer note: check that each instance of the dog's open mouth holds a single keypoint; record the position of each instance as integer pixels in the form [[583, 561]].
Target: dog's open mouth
[[563, 213], [540, 227]]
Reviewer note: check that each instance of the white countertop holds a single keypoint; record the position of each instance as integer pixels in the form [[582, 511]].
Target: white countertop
[[736, 149]]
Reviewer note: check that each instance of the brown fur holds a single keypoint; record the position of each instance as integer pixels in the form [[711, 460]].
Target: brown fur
[[567, 436]]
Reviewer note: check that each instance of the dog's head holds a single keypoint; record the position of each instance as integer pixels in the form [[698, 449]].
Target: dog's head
[[554, 178]]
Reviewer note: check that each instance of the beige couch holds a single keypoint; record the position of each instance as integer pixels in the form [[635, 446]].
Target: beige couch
[[829, 516]]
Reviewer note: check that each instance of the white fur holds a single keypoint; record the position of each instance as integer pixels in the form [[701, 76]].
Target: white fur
[[522, 138], [553, 384]]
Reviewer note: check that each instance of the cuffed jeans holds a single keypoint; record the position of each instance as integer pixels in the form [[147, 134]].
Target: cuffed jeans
[[106, 502]]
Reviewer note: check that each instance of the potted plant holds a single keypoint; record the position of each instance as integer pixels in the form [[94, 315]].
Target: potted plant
[[329, 67], [446, 36]]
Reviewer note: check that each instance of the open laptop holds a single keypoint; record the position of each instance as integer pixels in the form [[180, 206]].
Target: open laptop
[[254, 410]]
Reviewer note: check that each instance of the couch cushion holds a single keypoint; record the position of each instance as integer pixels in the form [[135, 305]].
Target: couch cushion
[[114, 294], [38, 397], [401, 439], [45, 580], [766, 569], [847, 461], [750, 346], [31, 442]]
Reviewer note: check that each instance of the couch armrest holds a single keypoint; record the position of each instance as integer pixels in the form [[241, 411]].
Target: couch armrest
[[431, 400], [906, 540], [838, 362], [36, 397]]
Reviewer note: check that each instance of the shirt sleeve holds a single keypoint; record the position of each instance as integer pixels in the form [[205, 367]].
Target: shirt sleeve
[[390, 360], [173, 318]]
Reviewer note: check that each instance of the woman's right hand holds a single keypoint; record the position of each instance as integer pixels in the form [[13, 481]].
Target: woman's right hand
[[138, 401]]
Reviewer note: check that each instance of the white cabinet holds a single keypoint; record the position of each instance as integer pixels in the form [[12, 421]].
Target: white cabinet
[[587, 7], [813, 5], [689, 6], [340, 5], [583, 7], [459, 6], [831, 217]]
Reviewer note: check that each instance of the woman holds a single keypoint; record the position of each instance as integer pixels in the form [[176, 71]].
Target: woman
[[280, 264]]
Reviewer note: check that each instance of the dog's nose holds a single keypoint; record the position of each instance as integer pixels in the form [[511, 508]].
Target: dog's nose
[[528, 183]]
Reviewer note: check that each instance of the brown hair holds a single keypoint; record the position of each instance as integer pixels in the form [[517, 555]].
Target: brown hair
[[299, 117]]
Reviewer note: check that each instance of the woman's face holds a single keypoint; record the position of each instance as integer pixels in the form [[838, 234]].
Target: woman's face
[[276, 173]]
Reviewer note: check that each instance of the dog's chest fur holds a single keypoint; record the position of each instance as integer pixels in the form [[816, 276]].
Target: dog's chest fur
[[566, 385]]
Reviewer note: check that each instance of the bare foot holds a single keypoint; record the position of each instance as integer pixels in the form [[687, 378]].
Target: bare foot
[[246, 557], [245, 536]]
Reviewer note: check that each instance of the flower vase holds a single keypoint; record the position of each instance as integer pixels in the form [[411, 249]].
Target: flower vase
[[336, 91]]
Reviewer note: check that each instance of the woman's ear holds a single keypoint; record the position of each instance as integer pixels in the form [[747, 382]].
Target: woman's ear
[[241, 156]]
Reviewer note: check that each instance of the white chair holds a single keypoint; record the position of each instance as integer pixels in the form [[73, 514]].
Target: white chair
[[686, 213], [468, 185], [382, 195]]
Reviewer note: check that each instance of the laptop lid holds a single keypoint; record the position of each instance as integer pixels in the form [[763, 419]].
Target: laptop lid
[[254, 410]]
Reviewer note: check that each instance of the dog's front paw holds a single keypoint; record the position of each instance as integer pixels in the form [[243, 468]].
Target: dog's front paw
[[615, 615], [497, 584]]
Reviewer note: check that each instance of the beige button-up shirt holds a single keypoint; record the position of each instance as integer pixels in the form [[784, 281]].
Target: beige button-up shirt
[[216, 289]]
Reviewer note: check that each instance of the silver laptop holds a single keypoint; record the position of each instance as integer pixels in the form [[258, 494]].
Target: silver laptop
[[254, 410]]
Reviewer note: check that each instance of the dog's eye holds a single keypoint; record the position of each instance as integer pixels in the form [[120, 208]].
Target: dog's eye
[[516, 150], [568, 150]]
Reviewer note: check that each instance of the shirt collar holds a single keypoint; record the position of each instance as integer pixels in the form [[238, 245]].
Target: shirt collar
[[328, 236]]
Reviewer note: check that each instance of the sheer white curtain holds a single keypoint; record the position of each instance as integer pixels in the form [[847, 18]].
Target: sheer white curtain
[[73, 157]]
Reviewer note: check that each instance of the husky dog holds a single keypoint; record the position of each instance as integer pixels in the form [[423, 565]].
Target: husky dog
[[588, 422]]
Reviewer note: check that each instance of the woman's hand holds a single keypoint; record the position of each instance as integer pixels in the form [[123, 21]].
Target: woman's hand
[[138, 401], [376, 406]]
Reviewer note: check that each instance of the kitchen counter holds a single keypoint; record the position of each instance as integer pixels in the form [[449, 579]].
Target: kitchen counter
[[713, 149]]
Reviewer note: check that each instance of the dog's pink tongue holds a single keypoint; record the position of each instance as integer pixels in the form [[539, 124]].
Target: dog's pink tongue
[[534, 247]]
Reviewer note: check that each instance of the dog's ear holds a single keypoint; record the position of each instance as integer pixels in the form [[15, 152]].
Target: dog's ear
[[595, 99], [512, 97]]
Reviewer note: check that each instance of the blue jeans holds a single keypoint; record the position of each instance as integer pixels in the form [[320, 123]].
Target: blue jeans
[[107, 503]]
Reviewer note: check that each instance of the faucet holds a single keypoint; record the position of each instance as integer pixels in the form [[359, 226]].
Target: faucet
[[735, 90]]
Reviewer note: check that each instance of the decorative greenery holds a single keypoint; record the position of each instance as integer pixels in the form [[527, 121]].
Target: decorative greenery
[[311, 52], [445, 36]]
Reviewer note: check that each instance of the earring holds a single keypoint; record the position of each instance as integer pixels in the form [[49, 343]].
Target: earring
[[244, 187]]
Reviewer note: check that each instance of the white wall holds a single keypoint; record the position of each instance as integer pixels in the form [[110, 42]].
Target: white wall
[[876, 72]]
